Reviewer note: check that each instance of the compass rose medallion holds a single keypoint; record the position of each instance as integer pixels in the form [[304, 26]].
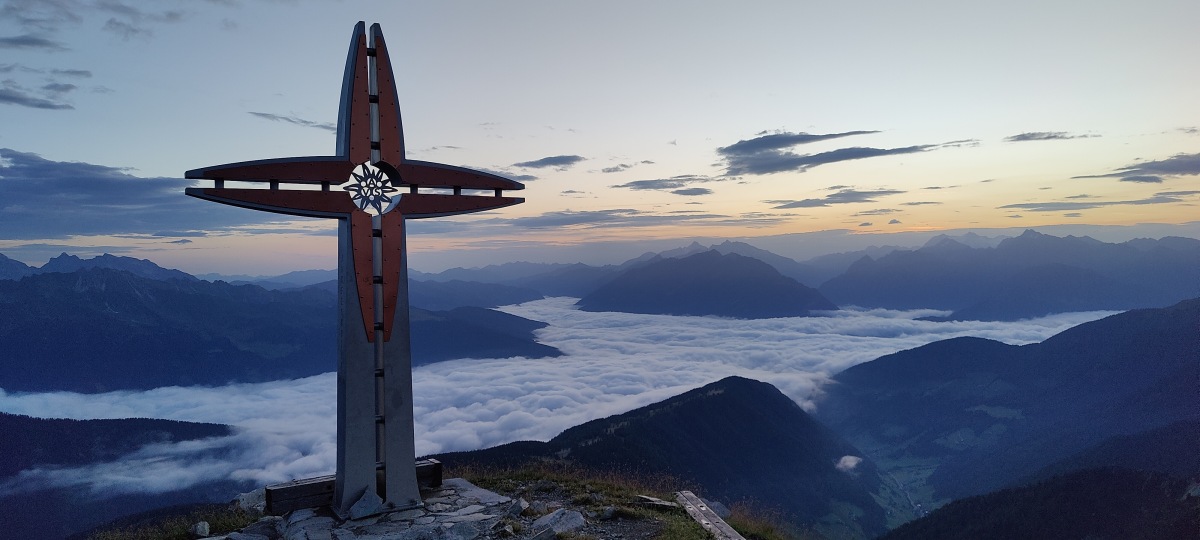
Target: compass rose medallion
[[369, 189]]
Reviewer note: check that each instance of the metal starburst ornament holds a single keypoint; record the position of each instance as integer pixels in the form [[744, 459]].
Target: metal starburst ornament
[[369, 188]]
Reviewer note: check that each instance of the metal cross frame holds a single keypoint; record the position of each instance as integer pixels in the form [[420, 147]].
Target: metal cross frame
[[370, 188]]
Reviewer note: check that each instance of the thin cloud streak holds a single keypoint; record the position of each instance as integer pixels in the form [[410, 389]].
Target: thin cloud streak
[[1154, 171], [30, 41], [1165, 197], [558, 162], [1046, 136], [843, 195], [327, 126], [614, 362]]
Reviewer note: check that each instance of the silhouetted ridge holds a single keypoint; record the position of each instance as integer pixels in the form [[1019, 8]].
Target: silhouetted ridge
[[13, 269], [139, 267], [706, 283], [1031, 275], [98, 329], [473, 332], [1094, 503], [738, 439], [986, 414], [58, 441]]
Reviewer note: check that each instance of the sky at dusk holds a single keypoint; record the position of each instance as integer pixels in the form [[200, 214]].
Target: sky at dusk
[[629, 123]]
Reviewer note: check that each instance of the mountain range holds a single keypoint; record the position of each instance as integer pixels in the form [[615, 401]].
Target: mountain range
[[978, 434], [1030, 431], [967, 416], [706, 283], [736, 440], [99, 329], [35, 511], [971, 276], [1022, 277]]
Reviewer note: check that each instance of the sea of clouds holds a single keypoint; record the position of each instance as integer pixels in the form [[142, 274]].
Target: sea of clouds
[[613, 363]]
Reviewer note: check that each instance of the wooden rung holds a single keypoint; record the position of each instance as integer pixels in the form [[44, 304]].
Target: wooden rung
[[704, 515]]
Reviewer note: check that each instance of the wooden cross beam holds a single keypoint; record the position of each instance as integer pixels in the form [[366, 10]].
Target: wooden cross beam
[[371, 189]]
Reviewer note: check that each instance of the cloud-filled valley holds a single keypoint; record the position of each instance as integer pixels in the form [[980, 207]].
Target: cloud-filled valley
[[614, 362]]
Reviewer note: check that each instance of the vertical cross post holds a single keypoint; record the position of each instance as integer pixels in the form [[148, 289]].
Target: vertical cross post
[[371, 188]]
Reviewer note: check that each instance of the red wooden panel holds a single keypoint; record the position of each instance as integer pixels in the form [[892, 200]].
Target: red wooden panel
[[419, 205], [393, 268], [360, 244], [330, 204], [391, 133], [359, 149], [426, 174], [312, 170]]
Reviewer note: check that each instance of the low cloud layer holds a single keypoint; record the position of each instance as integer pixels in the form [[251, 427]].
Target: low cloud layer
[[614, 362]]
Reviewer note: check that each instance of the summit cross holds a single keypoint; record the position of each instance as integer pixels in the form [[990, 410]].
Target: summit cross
[[371, 189]]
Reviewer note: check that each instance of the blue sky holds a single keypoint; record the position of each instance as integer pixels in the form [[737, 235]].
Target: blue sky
[[629, 122]]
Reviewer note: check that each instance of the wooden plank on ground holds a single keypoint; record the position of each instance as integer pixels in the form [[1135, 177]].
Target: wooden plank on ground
[[706, 517], [317, 492]]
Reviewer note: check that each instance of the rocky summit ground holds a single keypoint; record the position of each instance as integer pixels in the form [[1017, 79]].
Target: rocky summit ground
[[460, 510]]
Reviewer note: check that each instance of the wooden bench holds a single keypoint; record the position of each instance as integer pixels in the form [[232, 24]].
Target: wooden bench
[[317, 492]]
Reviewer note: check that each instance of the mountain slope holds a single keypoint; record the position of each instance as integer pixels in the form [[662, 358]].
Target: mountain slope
[[707, 283], [139, 267], [738, 439], [98, 329], [33, 511], [1094, 503], [1026, 276], [1170, 450], [967, 416], [60, 441], [13, 269], [472, 332]]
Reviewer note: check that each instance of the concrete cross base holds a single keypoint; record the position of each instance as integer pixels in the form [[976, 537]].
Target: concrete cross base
[[317, 492]]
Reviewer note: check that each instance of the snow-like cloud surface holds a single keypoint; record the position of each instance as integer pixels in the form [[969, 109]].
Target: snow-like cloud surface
[[614, 362]]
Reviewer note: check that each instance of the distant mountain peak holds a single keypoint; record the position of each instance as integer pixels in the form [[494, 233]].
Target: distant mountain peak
[[66, 263], [14, 269], [707, 283]]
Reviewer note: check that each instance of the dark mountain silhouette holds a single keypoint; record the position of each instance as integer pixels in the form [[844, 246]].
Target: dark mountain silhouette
[[99, 329], [13, 269], [806, 274], [473, 332], [46, 512], [737, 439], [1093, 503], [578, 280], [139, 267], [547, 279], [707, 283], [1027, 276], [492, 273], [34, 442], [966, 416], [1170, 450], [444, 295]]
